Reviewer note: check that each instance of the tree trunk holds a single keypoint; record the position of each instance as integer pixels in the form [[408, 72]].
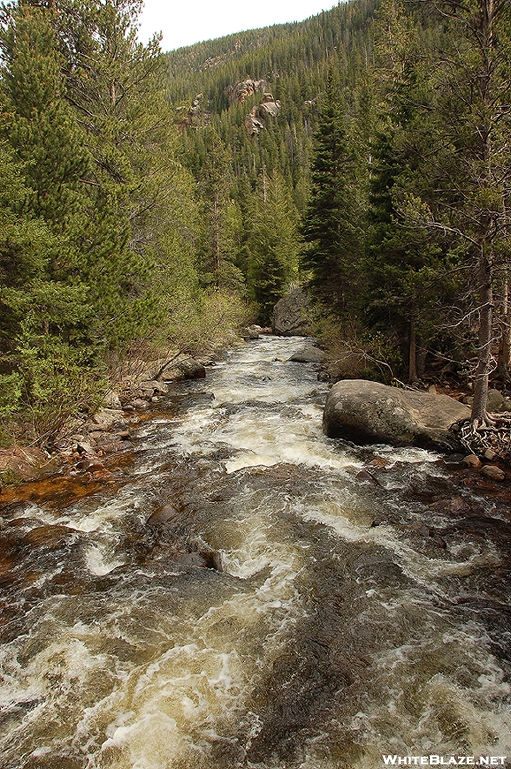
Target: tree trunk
[[412, 353], [504, 361], [479, 413], [216, 241]]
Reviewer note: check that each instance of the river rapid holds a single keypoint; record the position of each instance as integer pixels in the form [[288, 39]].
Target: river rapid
[[250, 593]]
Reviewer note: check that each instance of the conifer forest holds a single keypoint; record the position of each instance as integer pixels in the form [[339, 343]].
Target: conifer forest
[[155, 198]]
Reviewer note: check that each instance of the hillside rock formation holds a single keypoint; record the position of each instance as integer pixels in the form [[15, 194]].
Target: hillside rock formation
[[269, 107], [239, 93]]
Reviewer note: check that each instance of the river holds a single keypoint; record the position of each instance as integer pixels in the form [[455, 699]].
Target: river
[[250, 593]]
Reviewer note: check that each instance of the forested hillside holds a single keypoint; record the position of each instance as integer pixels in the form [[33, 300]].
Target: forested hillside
[[380, 181], [155, 200]]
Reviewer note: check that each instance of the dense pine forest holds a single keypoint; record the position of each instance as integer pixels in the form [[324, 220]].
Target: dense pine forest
[[153, 201]]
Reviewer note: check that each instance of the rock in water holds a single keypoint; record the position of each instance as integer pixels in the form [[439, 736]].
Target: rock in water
[[370, 412], [308, 354], [493, 472]]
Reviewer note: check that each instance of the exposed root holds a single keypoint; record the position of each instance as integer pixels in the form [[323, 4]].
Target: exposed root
[[492, 434]]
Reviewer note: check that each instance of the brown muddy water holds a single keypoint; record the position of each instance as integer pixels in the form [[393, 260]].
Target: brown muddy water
[[249, 593]]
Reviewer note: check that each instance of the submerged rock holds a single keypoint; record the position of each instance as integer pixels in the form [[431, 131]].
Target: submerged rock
[[370, 412]]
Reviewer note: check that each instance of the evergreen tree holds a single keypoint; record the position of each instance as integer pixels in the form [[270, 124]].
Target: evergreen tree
[[468, 168], [222, 215], [332, 223], [273, 243], [402, 263]]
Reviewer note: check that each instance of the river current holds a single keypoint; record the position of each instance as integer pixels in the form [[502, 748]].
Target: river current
[[250, 593]]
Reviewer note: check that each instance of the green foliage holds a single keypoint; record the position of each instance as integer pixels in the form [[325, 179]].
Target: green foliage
[[332, 222], [125, 219], [11, 389], [54, 383], [91, 195], [272, 243]]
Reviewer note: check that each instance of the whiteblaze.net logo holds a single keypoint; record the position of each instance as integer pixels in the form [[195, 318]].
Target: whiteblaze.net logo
[[434, 760]]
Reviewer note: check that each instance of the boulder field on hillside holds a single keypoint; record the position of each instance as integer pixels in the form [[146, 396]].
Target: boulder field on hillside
[[369, 412]]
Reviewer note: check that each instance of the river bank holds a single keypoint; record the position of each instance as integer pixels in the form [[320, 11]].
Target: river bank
[[245, 592], [88, 444]]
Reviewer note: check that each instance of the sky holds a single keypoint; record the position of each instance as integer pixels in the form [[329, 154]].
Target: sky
[[184, 22]]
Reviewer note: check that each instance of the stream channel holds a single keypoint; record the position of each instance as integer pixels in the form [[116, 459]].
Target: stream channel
[[250, 593]]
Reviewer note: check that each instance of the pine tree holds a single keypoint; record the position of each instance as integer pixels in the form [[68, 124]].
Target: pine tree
[[332, 222], [469, 165], [273, 243]]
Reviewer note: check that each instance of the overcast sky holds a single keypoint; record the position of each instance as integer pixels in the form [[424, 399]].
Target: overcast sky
[[184, 22]]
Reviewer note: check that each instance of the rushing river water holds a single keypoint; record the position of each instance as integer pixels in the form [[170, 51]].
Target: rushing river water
[[252, 594]]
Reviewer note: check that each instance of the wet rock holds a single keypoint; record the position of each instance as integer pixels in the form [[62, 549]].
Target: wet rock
[[84, 447], [24, 463], [140, 403], [472, 461], [493, 472], [308, 354], [90, 464], [455, 506], [489, 455], [50, 536], [420, 528], [208, 559], [150, 388], [370, 412], [193, 559], [166, 514], [454, 460], [363, 475], [54, 762], [252, 332], [378, 463]]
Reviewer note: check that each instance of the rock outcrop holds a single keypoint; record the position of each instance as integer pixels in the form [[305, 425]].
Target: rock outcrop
[[239, 93], [290, 314], [370, 412], [269, 108]]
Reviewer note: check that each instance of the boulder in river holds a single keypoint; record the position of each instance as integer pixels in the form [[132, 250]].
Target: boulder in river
[[250, 332], [369, 412], [309, 353]]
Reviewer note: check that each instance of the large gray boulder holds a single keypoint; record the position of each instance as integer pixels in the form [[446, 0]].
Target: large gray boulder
[[308, 354], [370, 412], [290, 314], [186, 368]]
